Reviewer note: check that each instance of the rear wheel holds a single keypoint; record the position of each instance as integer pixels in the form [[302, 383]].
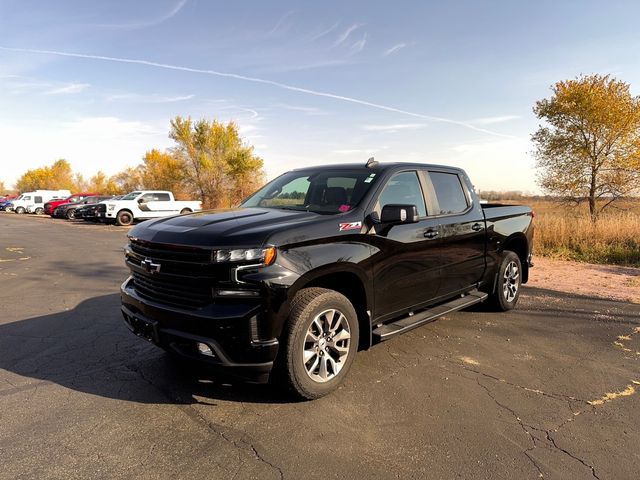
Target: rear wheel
[[39, 211], [124, 218], [320, 342], [508, 282]]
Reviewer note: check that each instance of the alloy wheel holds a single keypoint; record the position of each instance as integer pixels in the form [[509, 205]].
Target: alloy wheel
[[326, 345], [511, 281]]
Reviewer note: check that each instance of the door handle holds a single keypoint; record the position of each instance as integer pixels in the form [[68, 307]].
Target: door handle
[[476, 227], [431, 233]]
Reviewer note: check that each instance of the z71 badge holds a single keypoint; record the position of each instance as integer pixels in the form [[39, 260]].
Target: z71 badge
[[350, 226]]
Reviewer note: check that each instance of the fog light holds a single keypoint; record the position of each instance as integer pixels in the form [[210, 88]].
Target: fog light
[[205, 349]]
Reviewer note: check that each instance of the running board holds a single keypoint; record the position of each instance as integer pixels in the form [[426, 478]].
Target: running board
[[388, 330]]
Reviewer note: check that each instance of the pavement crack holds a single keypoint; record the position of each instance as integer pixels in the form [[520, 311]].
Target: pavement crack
[[566, 452], [195, 415], [525, 428], [556, 396]]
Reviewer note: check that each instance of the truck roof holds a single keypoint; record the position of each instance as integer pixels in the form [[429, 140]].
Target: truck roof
[[380, 167]]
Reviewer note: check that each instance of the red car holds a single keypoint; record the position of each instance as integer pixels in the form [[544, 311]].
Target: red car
[[50, 206]]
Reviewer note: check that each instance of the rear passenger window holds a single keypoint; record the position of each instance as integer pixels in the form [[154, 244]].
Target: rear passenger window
[[449, 193], [161, 197], [38, 200], [404, 189]]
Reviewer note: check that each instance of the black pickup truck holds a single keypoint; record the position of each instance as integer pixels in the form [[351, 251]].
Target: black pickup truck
[[319, 263]]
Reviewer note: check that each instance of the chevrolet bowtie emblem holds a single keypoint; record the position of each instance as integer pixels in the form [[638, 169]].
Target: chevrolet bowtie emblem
[[150, 267]]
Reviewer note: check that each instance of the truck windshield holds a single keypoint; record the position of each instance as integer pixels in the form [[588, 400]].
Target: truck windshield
[[131, 196], [322, 191]]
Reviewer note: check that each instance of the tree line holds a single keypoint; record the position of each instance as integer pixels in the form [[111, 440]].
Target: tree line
[[209, 162]]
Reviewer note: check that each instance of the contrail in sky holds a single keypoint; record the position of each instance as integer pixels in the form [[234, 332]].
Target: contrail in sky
[[263, 81]]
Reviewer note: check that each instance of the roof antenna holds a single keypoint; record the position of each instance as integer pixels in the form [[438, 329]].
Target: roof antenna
[[371, 163]]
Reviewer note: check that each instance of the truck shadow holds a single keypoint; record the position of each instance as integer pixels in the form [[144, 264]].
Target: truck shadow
[[89, 349]]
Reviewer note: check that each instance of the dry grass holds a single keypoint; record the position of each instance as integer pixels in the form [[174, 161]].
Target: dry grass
[[566, 232]]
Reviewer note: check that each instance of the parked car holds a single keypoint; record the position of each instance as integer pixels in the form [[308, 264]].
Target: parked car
[[319, 263], [94, 212], [35, 201], [6, 203], [50, 206], [146, 204], [68, 210]]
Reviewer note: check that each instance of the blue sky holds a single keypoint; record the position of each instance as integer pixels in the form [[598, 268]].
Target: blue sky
[[312, 82]]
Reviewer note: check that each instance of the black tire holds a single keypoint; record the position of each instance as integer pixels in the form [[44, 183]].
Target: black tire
[[310, 306], [20, 210], [71, 214], [508, 283], [185, 210], [124, 218], [39, 211]]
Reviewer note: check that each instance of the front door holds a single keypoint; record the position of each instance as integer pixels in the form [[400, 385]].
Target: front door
[[406, 270]]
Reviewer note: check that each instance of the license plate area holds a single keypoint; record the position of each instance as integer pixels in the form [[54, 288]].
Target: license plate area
[[142, 327]]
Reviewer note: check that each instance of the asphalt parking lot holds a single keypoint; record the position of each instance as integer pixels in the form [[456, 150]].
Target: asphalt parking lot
[[546, 390]]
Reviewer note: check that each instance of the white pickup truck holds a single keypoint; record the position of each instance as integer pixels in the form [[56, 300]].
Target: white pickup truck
[[146, 204]]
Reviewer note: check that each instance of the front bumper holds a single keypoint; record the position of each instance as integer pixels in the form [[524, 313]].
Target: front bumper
[[230, 331]]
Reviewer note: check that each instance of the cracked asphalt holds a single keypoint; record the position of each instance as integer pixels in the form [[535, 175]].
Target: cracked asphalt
[[547, 390]]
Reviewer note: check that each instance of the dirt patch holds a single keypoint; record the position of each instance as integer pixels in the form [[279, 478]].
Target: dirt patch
[[603, 281]]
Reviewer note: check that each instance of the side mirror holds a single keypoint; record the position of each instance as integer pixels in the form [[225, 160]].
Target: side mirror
[[395, 214], [141, 200]]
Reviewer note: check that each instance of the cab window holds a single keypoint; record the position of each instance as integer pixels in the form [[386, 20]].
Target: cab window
[[404, 189], [161, 197], [449, 193]]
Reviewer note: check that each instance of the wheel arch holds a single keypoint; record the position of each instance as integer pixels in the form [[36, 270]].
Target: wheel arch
[[349, 282], [519, 244]]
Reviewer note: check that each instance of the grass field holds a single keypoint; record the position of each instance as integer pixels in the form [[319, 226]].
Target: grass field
[[566, 232]]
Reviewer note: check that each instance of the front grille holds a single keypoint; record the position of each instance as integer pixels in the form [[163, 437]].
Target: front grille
[[176, 253], [182, 276], [172, 293]]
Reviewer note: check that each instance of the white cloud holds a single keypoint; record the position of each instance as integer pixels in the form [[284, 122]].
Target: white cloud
[[344, 35], [91, 143], [150, 22], [284, 86], [302, 109], [322, 33], [154, 98], [394, 49], [493, 120], [359, 45], [280, 22], [393, 127], [68, 89]]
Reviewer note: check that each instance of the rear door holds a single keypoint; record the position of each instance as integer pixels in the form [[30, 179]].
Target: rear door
[[462, 230], [406, 270], [161, 204]]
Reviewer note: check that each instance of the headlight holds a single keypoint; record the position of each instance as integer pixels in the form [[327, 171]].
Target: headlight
[[264, 256]]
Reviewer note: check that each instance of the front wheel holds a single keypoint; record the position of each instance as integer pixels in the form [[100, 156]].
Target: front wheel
[[184, 211], [71, 214], [20, 210], [124, 218], [508, 282], [320, 342]]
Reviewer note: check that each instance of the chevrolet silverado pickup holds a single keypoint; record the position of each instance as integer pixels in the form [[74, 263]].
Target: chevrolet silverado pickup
[[318, 264]]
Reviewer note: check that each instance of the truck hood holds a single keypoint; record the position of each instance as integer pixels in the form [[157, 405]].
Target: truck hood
[[243, 227]]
